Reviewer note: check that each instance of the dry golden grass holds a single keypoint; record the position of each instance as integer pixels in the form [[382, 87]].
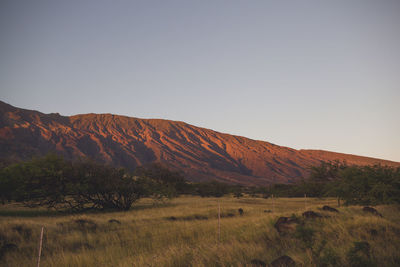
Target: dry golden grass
[[148, 236]]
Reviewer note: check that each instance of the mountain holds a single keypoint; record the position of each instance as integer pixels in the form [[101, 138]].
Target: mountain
[[201, 154]]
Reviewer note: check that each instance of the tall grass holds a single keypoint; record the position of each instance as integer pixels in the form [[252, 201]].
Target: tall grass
[[183, 232]]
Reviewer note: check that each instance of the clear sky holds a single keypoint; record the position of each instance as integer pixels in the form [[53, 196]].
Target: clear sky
[[304, 74]]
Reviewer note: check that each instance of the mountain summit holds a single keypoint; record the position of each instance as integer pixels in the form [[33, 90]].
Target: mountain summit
[[201, 154]]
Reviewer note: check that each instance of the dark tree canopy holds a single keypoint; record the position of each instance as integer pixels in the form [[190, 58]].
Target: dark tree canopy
[[55, 183], [355, 184]]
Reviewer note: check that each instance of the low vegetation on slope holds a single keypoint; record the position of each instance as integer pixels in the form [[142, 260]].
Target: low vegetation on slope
[[184, 232]]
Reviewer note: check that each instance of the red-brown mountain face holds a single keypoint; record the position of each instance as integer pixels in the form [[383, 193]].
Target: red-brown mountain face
[[201, 154]]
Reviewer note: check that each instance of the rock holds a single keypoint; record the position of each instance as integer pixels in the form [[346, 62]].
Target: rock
[[373, 232], [327, 208], [286, 224], [311, 214], [6, 248], [22, 230], [200, 217], [283, 261], [86, 224], [240, 211], [188, 218], [372, 210], [258, 263], [227, 215], [114, 221]]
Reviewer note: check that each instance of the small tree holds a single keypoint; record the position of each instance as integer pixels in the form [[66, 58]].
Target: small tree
[[55, 183]]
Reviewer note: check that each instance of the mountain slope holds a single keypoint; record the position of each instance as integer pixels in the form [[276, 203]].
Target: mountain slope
[[202, 154]]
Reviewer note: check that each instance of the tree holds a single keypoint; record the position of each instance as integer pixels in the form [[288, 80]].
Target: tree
[[96, 186], [165, 182], [55, 183], [366, 185], [212, 189]]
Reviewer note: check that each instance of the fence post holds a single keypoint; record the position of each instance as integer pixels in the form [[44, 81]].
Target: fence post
[[40, 246], [219, 221], [305, 201], [273, 204]]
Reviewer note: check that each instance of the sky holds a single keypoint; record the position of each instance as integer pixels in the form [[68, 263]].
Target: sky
[[303, 74]]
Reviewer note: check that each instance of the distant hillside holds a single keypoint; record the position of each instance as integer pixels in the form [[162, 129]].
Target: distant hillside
[[202, 154]]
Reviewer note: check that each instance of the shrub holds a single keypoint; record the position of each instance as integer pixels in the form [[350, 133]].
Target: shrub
[[329, 258], [305, 234], [359, 255]]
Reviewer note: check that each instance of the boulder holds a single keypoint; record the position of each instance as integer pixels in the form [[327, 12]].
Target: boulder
[[283, 261], [257, 263], [286, 225], [330, 209], [311, 214], [84, 224], [373, 232], [372, 210], [240, 211], [114, 221]]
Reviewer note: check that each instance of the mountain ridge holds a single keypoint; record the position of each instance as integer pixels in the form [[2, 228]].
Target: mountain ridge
[[200, 153]]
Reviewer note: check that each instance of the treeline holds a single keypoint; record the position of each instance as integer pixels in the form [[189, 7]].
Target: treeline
[[54, 182], [364, 185], [351, 184]]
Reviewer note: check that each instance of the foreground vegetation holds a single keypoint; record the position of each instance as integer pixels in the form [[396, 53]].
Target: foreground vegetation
[[184, 232]]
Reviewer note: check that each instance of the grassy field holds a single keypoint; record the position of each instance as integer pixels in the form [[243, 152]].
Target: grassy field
[[184, 232]]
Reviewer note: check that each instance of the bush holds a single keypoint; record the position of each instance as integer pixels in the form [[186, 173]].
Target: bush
[[305, 234]]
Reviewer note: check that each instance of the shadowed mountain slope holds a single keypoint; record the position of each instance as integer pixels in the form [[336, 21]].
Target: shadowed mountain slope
[[201, 154]]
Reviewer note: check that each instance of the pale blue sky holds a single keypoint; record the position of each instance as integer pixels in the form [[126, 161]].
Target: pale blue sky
[[303, 74]]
